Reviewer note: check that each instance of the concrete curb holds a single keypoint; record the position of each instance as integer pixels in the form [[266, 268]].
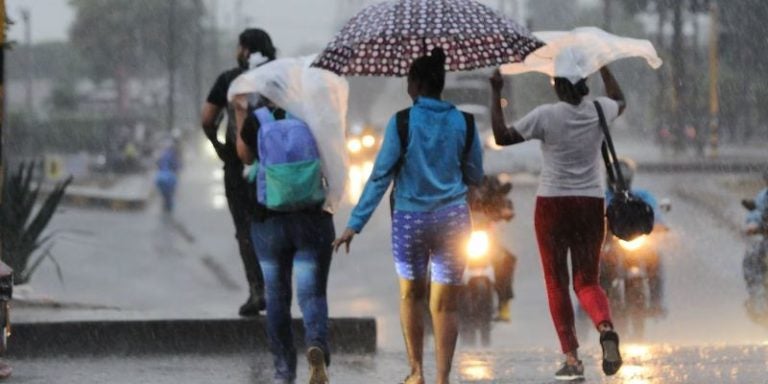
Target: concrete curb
[[129, 194], [93, 338]]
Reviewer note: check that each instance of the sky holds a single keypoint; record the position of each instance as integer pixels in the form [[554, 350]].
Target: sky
[[51, 19], [295, 25]]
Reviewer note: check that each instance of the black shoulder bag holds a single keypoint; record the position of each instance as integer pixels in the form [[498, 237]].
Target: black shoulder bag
[[628, 216]]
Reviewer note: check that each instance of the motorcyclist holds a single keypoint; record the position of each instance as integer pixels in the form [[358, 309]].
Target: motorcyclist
[[755, 264], [653, 264], [490, 205]]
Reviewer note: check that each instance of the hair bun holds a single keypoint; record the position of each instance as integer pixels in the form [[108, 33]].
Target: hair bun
[[438, 55], [582, 88]]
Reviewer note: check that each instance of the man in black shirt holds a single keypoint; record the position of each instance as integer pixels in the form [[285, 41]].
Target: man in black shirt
[[254, 48]]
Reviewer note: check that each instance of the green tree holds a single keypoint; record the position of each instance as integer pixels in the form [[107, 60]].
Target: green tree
[[678, 101], [120, 39], [743, 52]]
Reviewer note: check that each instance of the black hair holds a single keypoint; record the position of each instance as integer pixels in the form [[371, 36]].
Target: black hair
[[570, 92], [429, 71], [257, 40]]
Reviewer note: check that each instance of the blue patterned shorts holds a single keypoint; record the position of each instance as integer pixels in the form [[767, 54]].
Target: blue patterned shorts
[[437, 238]]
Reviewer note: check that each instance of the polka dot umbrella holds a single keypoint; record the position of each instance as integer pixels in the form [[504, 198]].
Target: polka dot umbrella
[[384, 38]]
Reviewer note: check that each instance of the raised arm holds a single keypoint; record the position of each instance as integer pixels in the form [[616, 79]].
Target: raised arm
[[612, 89], [504, 136]]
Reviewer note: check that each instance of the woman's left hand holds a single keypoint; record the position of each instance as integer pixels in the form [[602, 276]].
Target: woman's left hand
[[346, 239], [497, 82]]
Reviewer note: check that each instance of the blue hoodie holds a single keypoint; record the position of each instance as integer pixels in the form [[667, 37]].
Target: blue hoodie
[[435, 171]]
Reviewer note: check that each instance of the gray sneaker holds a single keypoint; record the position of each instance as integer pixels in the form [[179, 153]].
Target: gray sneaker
[[316, 360], [570, 372]]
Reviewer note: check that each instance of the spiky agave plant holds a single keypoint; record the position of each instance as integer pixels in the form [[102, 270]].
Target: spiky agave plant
[[21, 225]]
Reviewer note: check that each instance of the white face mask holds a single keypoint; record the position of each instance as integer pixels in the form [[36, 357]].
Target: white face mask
[[256, 59]]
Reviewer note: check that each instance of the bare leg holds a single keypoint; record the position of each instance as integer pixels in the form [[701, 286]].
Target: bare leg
[[413, 294], [443, 304]]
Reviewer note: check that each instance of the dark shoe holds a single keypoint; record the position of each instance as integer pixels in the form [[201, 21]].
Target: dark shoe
[[253, 306], [316, 360], [570, 372], [609, 341]]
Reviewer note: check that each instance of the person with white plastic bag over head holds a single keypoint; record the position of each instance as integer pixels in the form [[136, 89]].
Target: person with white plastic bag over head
[[291, 121], [570, 213]]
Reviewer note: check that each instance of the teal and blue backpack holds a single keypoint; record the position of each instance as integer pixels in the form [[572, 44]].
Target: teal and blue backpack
[[288, 172]]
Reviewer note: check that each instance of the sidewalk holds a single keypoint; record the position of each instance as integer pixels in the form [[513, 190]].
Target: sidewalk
[[644, 364], [145, 276], [126, 192]]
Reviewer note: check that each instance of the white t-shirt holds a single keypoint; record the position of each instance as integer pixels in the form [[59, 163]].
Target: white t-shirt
[[570, 143]]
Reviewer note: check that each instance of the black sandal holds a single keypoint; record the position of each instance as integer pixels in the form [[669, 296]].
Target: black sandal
[[609, 341]]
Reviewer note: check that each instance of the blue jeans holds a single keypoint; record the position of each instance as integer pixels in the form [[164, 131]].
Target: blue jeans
[[298, 241]]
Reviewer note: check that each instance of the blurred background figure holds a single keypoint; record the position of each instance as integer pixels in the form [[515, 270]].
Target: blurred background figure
[[168, 166]]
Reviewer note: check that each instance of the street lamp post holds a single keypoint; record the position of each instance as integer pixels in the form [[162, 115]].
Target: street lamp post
[[2, 97], [714, 78], [171, 62], [27, 18]]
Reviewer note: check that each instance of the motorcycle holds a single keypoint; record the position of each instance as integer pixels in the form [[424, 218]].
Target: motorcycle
[[490, 267], [477, 298], [755, 266], [361, 148], [626, 272]]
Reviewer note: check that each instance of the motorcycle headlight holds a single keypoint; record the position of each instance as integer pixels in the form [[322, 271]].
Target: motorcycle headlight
[[634, 244], [354, 145], [368, 141], [479, 244]]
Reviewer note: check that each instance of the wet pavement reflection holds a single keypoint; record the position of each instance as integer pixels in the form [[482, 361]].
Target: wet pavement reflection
[[645, 364]]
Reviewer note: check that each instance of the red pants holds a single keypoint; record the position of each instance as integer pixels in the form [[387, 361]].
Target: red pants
[[576, 224]]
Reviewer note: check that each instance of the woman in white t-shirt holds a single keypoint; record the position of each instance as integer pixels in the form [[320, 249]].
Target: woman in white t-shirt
[[569, 205]]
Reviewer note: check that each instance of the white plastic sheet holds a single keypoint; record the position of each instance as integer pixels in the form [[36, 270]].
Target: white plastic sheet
[[316, 96], [581, 52]]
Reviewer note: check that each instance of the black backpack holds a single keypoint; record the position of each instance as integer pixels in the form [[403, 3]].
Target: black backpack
[[402, 119], [628, 216]]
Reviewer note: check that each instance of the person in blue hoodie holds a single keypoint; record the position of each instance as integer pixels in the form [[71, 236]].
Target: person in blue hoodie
[[432, 152], [168, 166]]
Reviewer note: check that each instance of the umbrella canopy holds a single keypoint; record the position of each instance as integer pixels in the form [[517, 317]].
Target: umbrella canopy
[[383, 39], [581, 52], [317, 97]]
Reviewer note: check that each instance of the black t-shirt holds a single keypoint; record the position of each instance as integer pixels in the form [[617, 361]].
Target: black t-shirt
[[218, 94], [218, 97]]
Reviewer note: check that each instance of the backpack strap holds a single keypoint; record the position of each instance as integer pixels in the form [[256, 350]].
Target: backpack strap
[[402, 119], [263, 115], [469, 119]]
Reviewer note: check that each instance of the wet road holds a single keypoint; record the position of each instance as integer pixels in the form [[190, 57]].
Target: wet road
[[145, 265], [644, 365]]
